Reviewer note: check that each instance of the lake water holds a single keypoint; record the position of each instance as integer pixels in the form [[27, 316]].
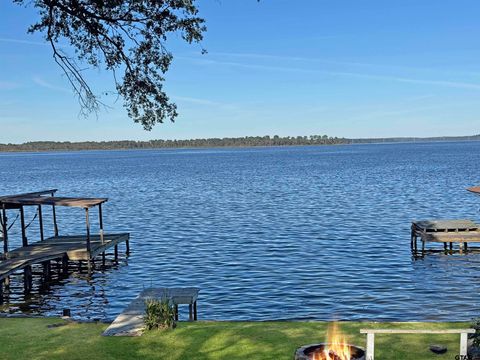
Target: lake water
[[270, 233]]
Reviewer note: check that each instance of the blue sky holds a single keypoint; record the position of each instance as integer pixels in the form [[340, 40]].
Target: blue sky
[[342, 68]]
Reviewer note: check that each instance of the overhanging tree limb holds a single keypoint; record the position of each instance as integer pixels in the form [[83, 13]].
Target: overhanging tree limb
[[125, 37]]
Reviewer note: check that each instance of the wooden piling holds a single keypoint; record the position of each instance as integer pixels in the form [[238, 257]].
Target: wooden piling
[[54, 213], [27, 278], [47, 271], [40, 222], [65, 264], [24, 232], [412, 236], [89, 250], [4, 229], [100, 219]]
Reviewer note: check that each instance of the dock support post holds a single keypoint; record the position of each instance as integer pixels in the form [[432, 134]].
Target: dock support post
[[1, 291], [451, 246], [445, 246], [190, 312], [176, 312], [195, 310], [423, 247], [24, 233], [87, 221], [55, 226], [47, 271], [460, 248], [65, 265], [27, 278], [4, 230], [127, 245], [116, 252], [102, 240], [100, 219], [412, 236], [40, 222]]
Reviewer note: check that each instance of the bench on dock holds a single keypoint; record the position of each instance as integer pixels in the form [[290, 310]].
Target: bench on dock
[[461, 231], [130, 321], [370, 349]]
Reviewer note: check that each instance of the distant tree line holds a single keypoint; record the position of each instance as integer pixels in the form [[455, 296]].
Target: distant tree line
[[247, 141], [159, 144]]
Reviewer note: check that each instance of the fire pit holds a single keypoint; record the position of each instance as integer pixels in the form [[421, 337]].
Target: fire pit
[[335, 348], [324, 351]]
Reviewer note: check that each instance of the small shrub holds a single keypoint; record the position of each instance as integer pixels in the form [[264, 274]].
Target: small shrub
[[159, 314]]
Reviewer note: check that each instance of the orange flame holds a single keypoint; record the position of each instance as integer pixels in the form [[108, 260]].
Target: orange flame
[[336, 347]]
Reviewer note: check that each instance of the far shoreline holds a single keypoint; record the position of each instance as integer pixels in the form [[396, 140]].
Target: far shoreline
[[379, 141]]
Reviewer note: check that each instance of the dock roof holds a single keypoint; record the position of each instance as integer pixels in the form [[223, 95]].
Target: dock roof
[[36, 193], [39, 198], [474, 189]]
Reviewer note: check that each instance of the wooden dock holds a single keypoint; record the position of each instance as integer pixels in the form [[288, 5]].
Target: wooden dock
[[58, 247], [130, 321], [448, 232], [64, 248]]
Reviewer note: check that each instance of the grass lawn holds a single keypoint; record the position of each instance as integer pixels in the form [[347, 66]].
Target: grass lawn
[[32, 339]]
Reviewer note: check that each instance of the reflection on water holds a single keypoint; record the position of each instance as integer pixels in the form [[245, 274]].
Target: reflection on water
[[273, 233]]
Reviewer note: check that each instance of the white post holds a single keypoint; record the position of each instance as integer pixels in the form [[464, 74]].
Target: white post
[[463, 344], [370, 346]]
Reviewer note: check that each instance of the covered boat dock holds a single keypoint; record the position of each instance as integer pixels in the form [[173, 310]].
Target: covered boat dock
[[60, 248]]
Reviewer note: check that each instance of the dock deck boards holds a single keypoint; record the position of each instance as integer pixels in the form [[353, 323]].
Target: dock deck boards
[[74, 247], [445, 225]]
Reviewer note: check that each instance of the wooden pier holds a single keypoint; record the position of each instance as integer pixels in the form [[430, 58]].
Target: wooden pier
[[447, 232], [130, 321], [59, 248]]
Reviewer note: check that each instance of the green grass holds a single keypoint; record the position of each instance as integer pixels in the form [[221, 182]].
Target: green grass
[[31, 339]]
